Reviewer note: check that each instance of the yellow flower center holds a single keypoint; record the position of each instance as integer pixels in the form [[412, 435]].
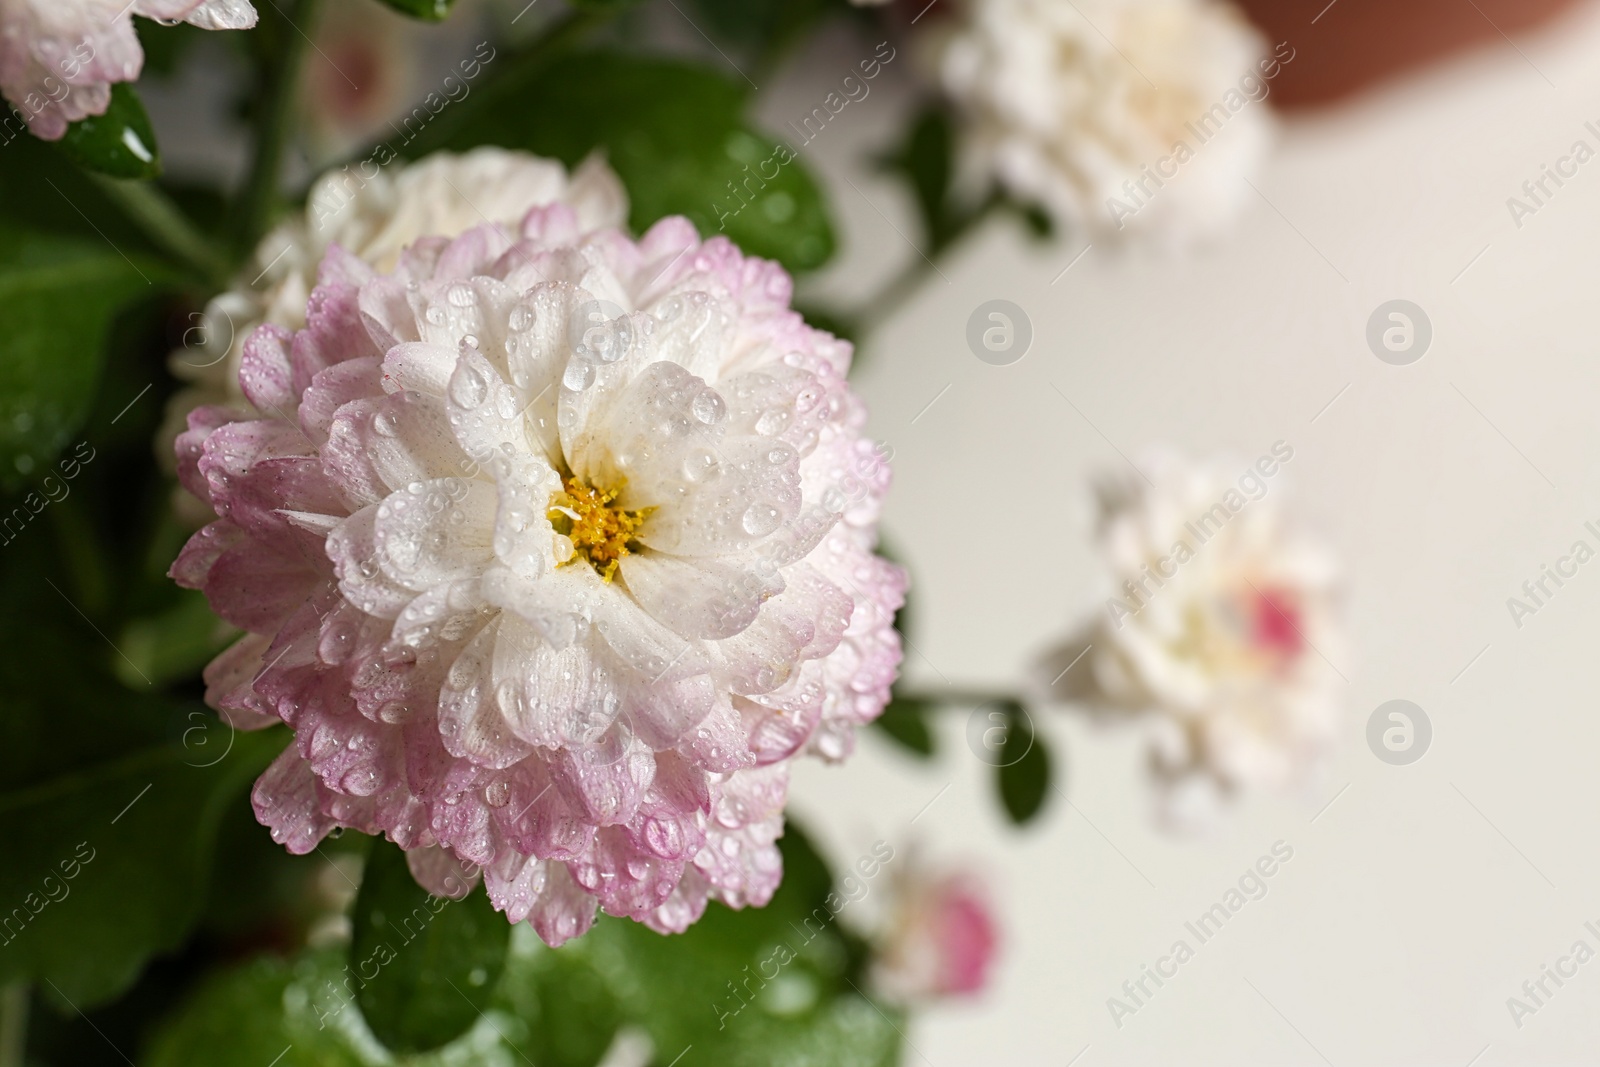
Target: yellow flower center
[[598, 531]]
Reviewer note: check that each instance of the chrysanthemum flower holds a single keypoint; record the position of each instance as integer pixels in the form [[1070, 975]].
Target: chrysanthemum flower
[[940, 937], [1223, 628], [553, 548], [59, 58], [372, 209], [1134, 116]]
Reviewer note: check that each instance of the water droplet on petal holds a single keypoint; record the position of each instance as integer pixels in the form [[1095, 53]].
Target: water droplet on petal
[[701, 465], [578, 375], [467, 387], [772, 422], [336, 642], [761, 519], [708, 407], [395, 712]]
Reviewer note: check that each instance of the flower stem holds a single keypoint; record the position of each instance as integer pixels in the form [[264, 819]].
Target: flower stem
[[956, 698], [153, 212], [564, 31], [882, 305], [13, 1024], [282, 49]]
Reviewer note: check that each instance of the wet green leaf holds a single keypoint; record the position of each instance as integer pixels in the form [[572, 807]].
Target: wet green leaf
[[120, 143]]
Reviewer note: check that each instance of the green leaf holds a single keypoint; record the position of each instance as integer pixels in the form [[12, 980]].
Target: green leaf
[[433, 962], [109, 799], [267, 1008], [108, 864], [119, 143], [764, 26], [427, 10], [927, 162], [1023, 774], [58, 296], [906, 721], [673, 131], [571, 1011], [172, 644]]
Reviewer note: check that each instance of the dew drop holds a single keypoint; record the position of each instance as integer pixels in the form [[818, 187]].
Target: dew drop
[[395, 712], [497, 794], [335, 644], [467, 387], [760, 519], [578, 375], [772, 422], [709, 407], [701, 465], [361, 782]]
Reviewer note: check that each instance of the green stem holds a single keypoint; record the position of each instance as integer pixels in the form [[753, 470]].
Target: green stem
[[564, 31], [882, 305], [952, 697], [13, 1024], [153, 212], [283, 51]]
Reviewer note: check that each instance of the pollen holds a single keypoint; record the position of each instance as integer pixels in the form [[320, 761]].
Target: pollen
[[599, 531]]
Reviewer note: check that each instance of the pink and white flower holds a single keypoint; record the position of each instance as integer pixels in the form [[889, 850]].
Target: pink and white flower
[[553, 548], [940, 938], [372, 209], [59, 58], [1223, 631]]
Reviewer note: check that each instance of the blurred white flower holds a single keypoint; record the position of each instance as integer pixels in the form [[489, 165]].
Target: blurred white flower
[[59, 58], [372, 210], [1116, 115], [1224, 629]]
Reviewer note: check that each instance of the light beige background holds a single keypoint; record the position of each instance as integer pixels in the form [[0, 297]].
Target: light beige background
[[1423, 897]]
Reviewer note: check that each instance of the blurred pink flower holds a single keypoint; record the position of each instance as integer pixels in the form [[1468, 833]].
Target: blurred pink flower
[[941, 938], [553, 548], [59, 58]]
